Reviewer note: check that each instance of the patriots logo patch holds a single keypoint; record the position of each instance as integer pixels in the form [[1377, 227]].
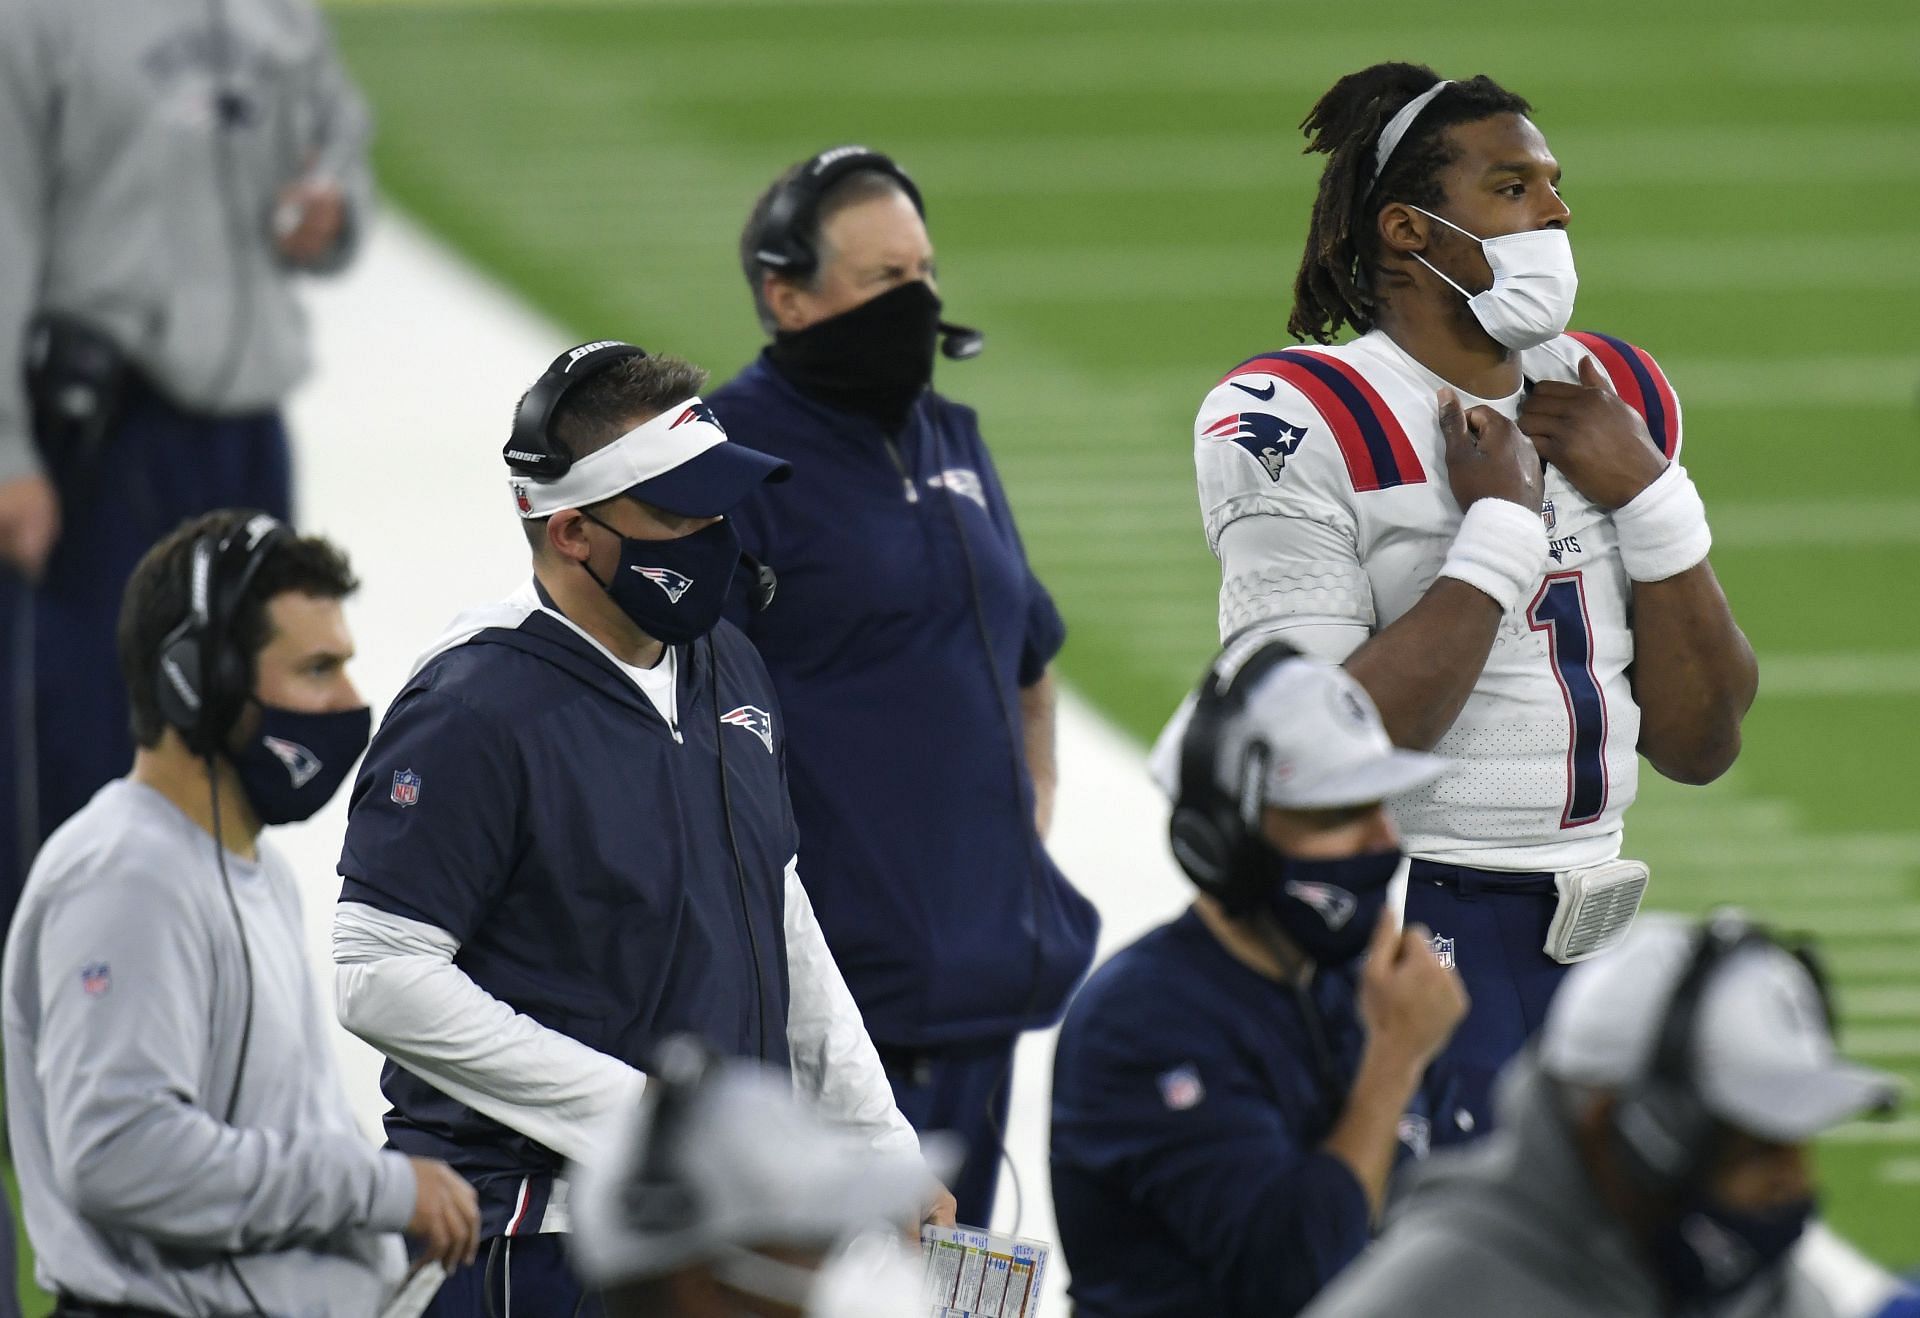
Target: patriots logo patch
[[697, 410], [301, 763], [674, 583], [1269, 439], [1334, 906], [963, 481], [754, 720]]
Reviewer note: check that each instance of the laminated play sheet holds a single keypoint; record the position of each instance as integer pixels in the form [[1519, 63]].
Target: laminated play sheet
[[976, 1274]]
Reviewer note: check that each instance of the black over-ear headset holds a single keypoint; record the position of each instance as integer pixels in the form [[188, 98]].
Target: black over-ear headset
[[533, 451], [785, 242], [204, 677], [1661, 1126], [1212, 827], [202, 682]]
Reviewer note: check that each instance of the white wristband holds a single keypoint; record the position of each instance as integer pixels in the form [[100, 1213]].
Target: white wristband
[[1499, 550], [1663, 529]]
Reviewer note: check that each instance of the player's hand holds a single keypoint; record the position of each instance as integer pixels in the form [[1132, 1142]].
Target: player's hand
[[1488, 457], [446, 1214], [308, 217], [1409, 1002], [29, 523], [1598, 442]]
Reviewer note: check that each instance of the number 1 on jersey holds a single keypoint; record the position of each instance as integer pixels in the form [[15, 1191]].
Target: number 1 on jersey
[[1560, 610]]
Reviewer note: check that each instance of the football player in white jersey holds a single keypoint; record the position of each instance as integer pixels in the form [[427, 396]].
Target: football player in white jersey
[[1487, 520]]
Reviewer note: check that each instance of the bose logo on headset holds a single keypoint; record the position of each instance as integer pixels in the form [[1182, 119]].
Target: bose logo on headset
[[827, 159], [574, 357], [178, 679]]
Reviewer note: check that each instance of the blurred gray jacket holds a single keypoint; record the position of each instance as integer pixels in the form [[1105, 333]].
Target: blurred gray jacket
[[142, 148], [178, 1122], [1511, 1228]]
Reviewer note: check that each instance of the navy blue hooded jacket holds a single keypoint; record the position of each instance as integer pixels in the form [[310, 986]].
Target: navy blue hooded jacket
[[525, 796], [905, 624], [1189, 1105]]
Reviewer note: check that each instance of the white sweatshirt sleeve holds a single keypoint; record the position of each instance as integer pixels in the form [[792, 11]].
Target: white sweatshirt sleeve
[[395, 985], [834, 1062]]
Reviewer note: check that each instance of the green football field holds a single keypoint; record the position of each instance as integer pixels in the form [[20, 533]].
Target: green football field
[[1118, 197]]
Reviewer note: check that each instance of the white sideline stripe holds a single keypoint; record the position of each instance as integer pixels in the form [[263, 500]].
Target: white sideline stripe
[[1773, 891], [1814, 523], [1881, 1001], [1742, 852], [1882, 1041], [1906, 1130], [1900, 1171], [401, 467], [1811, 675]]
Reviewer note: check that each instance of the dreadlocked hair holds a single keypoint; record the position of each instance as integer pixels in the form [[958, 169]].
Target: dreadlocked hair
[[1334, 285]]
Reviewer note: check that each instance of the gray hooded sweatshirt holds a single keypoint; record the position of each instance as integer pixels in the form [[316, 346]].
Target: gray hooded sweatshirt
[[1513, 1229], [142, 147], [181, 1134]]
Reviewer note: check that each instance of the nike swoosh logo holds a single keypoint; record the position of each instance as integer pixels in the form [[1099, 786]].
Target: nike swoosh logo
[[1264, 395]]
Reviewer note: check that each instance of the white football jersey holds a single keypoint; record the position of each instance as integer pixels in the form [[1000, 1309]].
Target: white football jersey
[[1323, 489]]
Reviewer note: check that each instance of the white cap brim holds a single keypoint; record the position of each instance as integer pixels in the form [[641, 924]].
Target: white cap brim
[[1790, 1107]]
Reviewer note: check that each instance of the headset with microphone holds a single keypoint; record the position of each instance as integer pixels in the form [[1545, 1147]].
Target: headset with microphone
[[532, 450], [785, 242], [1666, 1136], [202, 681], [204, 678], [1214, 830]]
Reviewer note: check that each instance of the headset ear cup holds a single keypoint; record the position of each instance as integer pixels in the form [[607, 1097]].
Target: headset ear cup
[[178, 687], [1200, 848], [230, 689], [1211, 848], [1661, 1133]]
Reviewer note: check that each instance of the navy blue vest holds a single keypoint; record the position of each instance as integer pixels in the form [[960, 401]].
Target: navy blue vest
[[906, 622]]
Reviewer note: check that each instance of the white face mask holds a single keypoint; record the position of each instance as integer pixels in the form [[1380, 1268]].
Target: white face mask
[[1531, 300]]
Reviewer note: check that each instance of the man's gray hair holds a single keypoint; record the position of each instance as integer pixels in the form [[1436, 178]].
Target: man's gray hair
[[861, 185]]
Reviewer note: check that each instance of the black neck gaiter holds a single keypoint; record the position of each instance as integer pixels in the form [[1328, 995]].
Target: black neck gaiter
[[875, 360]]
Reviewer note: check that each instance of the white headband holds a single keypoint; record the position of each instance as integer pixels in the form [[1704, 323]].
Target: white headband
[[1398, 125], [652, 448]]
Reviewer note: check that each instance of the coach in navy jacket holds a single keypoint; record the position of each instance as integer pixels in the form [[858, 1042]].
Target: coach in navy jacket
[[571, 837], [1232, 1092], [909, 642]]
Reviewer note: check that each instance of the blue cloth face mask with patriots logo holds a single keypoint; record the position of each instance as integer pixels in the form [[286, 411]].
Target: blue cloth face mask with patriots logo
[[673, 590]]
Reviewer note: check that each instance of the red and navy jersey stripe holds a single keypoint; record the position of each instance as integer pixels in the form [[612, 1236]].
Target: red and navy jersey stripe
[[1638, 380], [1377, 452]]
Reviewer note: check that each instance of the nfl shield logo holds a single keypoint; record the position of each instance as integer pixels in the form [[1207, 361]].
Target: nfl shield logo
[[520, 499], [1181, 1089], [96, 978], [406, 787], [1546, 514], [1443, 948]]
